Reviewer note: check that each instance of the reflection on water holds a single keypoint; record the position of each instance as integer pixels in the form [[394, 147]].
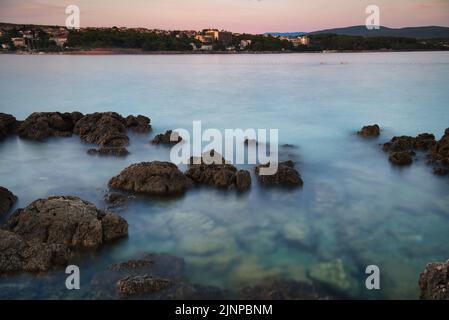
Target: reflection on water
[[354, 209]]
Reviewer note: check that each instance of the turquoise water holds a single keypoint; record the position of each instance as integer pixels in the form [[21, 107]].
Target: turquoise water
[[354, 205]]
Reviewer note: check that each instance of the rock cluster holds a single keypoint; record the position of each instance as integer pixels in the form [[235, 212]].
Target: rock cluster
[[7, 199], [153, 178], [434, 281], [50, 231], [286, 175], [41, 125], [8, 125], [370, 131], [166, 138]]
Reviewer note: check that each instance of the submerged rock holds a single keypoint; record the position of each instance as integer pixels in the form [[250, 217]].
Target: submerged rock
[[41, 125], [403, 158], [116, 200], [434, 281], [331, 274], [286, 175], [281, 289], [8, 125], [7, 199], [441, 171], [154, 178], [166, 138], [370, 131], [109, 151], [243, 180], [141, 284]]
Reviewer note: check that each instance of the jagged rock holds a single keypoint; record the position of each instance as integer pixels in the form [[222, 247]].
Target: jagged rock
[[141, 284], [17, 255], [7, 199], [370, 131], [165, 138], [403, 158], [281, 289], [286, 175], [154, 178], [425, 141], [434, 281], [8, 125], [107, 129], [219, 174], [139, 124], [68, 221], [109, 151], [41, 125]]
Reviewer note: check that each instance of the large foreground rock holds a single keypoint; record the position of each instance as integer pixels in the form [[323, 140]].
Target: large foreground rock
[[7, 199], [434, 281], [153, 178], [41, 125], [286, 175], [8, 125], [49, 232]]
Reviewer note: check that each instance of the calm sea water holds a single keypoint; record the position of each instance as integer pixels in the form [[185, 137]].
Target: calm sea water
[[354, 205]]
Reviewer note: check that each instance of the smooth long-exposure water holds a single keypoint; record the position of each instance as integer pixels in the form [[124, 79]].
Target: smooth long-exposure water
[[354, 206]]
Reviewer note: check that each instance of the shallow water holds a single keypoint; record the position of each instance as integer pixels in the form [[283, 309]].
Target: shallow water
[[354, 205]]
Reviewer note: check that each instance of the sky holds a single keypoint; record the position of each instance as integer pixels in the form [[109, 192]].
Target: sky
[[251, 16]]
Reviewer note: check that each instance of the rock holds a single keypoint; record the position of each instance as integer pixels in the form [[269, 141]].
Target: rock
[[440, 151], [218, 175], [68, 221], [286, 175], [139, 124], [425, 141], [41, 125], [166, 138], [298, 234], [116, 200], [8, 125], [403, 158], [16, 254], [434, 281], [331, 274], [141, 284], [7, 199], [107, 129], [441, 171], [281, 289], [109, 151], [400, 144], [243, 180], [370, 131], [153, 178]]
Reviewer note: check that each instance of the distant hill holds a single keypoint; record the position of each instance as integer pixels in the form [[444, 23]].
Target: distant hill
[[409, 32], [285, 34]]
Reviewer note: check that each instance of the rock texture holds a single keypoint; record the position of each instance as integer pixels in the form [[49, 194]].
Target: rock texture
[[286, 175], [41, 125], [139, 124], [153, 178], [434, 281], [402, 158], [55, 228], [141, 284], [7, 199], [370, 131], [165, 138], [243, 180], [8, 125]]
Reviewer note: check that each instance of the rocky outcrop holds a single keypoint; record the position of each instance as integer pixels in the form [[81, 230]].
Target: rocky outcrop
[[60, 226], [153, 178], [139, 124], [434, 281], [439, 153], [8, 125], [286, 175], [219, 173], [41, 125], [166, 138], [7, 199], [402, 158], [370, 131]]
